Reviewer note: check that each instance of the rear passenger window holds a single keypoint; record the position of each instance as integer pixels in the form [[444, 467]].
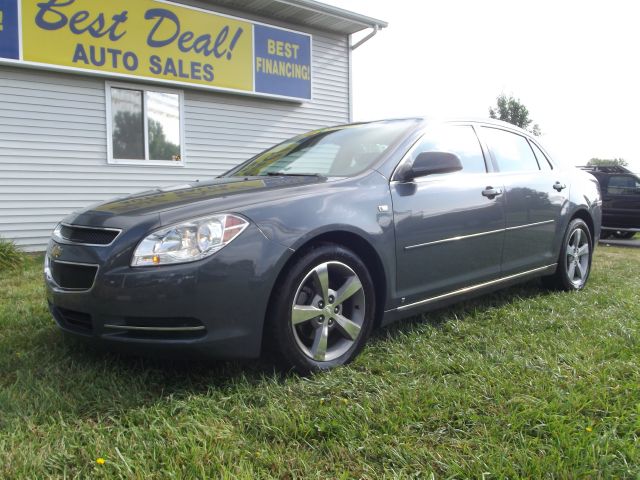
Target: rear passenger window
[[623, 185], [458, 139], [543, 161], [511, 151]]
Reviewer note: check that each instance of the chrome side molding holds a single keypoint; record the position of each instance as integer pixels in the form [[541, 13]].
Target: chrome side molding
[[518, 227], [475, 235], [473, 288], [454, 239], [156, 329]]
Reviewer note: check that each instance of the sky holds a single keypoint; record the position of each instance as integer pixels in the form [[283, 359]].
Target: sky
[[574, 64]]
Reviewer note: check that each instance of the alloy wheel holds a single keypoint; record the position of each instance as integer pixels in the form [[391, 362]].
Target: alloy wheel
[[577, 257], [328, 311]]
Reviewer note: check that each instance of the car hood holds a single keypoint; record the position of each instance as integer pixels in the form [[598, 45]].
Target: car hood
[[198, 197]]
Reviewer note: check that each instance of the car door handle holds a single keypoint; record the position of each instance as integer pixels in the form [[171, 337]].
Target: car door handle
[[559, 186], [491, 192]]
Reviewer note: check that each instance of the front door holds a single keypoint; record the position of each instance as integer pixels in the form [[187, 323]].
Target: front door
[[449, 227]]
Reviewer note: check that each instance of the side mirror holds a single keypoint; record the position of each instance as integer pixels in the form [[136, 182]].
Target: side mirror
[[429, 163]]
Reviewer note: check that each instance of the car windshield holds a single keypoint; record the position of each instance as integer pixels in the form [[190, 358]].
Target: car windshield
[[331, 152]]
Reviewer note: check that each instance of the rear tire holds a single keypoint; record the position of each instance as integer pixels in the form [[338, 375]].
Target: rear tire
[[574, 263], [322, 310]]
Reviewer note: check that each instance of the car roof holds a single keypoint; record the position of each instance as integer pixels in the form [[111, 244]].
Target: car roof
[[426, 120]]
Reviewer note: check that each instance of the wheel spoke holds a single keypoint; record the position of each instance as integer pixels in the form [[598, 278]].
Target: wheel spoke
[[572, 271], [321, 275], [348, 328], [583, 250], [319, 347], [348, 289], [578, 237], [304, 313], [580, 270]]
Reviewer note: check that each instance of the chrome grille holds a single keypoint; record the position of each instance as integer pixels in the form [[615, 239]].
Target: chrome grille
[[87, 235], [72, 276]]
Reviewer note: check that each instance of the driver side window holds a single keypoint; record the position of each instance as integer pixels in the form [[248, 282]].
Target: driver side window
[[458, 139]]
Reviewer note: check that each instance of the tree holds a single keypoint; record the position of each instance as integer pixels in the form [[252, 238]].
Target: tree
[[608, 162], [511, 110], [128, 139], [159, 147], [128, 136]]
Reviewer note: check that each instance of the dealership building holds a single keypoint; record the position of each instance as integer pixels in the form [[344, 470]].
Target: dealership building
[[101, 99]]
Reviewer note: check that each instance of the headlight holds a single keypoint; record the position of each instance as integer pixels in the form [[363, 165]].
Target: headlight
[[188, 241], [57, 232]]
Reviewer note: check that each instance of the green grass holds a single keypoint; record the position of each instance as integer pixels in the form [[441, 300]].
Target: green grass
[[520, 384], [11, 257]]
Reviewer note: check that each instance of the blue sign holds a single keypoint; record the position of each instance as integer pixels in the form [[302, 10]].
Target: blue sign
[[9, 32], [283, 62]]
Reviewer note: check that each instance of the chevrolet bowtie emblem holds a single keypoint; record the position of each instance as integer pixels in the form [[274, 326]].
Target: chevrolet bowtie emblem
[[56, 251]]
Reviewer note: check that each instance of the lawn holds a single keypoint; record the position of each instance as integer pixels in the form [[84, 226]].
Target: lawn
[[523, 383]]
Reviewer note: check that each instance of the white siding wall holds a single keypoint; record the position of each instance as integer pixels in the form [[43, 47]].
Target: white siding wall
[[53, 139]]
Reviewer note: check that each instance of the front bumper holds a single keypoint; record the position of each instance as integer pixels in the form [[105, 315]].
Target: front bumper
[[214, 307]]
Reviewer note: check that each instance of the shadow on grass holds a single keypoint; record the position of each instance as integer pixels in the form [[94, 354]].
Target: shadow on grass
[[51, 375], [438, 317], [44, 374]]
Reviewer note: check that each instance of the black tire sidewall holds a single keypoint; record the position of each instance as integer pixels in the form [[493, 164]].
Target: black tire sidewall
[[281, 334]]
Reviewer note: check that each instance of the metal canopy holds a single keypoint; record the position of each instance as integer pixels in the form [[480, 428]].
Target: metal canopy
[[309, 13]]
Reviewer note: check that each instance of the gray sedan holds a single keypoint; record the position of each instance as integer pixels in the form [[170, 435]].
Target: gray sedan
[[306, 248]]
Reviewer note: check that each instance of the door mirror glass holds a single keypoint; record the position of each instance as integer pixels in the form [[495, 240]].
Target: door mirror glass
[[429, 163]]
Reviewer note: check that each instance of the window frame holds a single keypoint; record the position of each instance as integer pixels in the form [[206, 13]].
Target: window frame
[[545, 155], [109, 117]]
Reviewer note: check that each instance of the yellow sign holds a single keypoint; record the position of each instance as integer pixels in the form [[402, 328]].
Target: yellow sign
[[146, 38]]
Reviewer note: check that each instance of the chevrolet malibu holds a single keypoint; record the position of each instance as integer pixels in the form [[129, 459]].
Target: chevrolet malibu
[[306, 248]]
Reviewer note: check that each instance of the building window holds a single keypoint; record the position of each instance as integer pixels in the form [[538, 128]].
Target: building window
[[144, 125]]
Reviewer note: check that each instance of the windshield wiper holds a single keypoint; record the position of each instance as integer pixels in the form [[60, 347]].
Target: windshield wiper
[[286, 174]]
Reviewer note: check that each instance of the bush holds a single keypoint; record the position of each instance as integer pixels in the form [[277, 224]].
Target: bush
[[11, 257]]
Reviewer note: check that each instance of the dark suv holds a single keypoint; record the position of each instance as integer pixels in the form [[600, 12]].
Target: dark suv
[[620, 200]]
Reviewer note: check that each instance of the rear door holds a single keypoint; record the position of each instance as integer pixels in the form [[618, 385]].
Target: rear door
[[535, 196], [621, 201], [448, 232]]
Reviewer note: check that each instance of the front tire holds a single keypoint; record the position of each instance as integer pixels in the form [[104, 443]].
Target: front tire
[[574, 263], [322, 311]]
